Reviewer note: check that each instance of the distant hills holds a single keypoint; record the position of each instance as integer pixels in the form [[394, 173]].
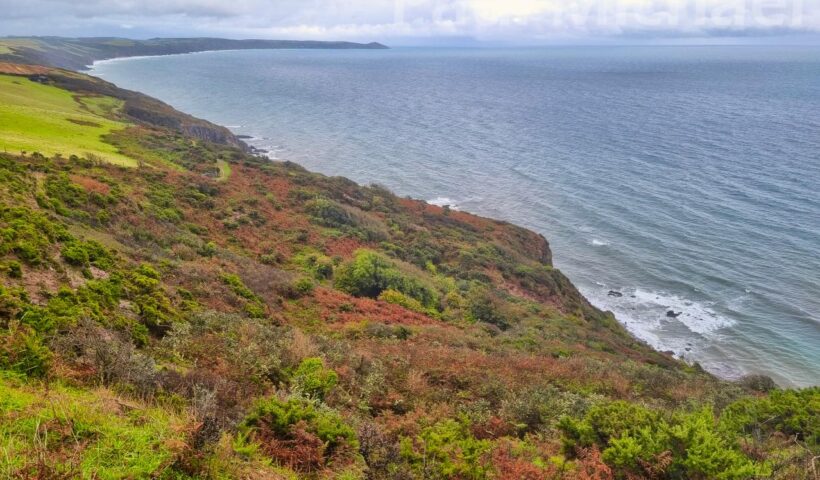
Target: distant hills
[[77, 53]]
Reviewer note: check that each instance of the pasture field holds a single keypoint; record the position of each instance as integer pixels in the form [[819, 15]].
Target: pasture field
[[49, 120]]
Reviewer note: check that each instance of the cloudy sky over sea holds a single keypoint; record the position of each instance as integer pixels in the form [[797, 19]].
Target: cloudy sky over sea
[[400, 22]]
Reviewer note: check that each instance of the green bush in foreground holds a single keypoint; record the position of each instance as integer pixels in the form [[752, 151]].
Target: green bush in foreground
[[635, 440], [299, 433], [448, 450]]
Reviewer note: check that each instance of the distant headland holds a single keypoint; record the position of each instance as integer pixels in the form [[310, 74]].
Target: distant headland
[[78, 53]]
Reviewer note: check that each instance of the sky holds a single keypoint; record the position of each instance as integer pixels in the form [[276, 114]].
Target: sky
[[424, 22]]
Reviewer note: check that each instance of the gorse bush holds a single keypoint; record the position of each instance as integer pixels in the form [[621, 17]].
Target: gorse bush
[[65, 195], [638, 441], [318, 265], [397, 298], [253, 305], [370, 273], [448, 449], [795, 413], [162, 204], [87, 253], [313, 379], [329, 213], [483, 306], [28, 234]]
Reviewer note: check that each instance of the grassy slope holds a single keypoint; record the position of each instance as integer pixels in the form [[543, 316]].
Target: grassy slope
[[77, 432], [217, 280], [49, 120]]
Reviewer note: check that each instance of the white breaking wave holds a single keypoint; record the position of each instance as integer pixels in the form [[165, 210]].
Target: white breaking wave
[[599, 243], [644, 314], [442, 202]]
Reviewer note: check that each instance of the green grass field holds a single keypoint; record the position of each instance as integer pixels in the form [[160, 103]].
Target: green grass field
[[7, 44], [46, 119]]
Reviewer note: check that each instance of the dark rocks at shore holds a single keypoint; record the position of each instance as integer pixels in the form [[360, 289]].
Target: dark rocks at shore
[[758, 383], [243, 137], [615, 293], [673, 314], [257, 151]]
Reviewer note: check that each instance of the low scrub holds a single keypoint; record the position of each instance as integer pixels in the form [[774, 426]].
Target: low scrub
[[299, 433]]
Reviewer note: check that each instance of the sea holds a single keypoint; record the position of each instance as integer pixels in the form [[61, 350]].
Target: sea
[[683, 179]]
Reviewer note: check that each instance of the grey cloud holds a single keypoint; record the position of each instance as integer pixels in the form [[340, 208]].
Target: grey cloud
[[489, 20]]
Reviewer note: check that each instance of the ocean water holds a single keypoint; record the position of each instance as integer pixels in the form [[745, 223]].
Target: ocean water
[[686, 178]]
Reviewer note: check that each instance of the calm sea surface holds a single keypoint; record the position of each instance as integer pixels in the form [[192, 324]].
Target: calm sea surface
[[687, 178]]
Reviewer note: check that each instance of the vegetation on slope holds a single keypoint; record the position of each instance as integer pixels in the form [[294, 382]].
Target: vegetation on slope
[[268, 322]]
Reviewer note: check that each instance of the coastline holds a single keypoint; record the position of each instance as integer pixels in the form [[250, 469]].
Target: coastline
[[257, 147], [103, 61], [219, 314], [670, 300]]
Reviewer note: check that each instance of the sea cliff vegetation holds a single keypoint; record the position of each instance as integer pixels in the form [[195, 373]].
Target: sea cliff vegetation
[[173, 306]]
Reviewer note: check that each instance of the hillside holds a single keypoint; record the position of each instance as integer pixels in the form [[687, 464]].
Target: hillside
[[78, 53], [172, 306]]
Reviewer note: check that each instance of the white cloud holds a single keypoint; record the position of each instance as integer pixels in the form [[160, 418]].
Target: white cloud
[[491, 20]]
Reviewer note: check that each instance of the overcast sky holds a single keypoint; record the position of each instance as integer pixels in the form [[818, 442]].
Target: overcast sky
[[407, 22]]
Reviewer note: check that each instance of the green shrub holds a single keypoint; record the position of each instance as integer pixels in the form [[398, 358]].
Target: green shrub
[[253, 306], [635, 440], [484, 306], [397, 298], [313, 379], [304, 286], [329, 213], [238, 286], [448, 449], [318, 265], [275, 423], [59, 187], [795, 413], [143, 288], [369, 274], [28, 234], [208, 249], [95, 300], [75, 254], [162, 203]]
